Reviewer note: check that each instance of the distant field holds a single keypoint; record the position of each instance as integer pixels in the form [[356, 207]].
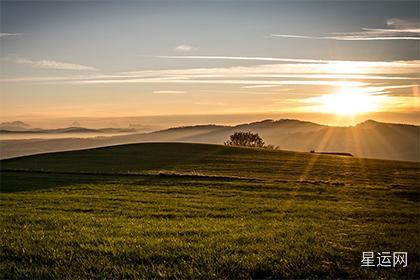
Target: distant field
[[205, 211]]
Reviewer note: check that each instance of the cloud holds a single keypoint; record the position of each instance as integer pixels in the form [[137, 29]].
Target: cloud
[[368, 35], [297, 76], [301, 76], [398, 29], [379, 71], [10, 35], [226, 81], [238, 58], [169, 91], [346, 65], [52, 64], [260, 86], [403, 23], [323, 68], [185, 48]]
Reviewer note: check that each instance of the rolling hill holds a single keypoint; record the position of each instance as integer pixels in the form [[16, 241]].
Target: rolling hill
[[215, 160], [14, 126], [369, 139], [181, 210]]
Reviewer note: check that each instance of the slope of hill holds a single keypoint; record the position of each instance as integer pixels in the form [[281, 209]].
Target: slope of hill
[[215, 160], [198, 211], [369, 139]]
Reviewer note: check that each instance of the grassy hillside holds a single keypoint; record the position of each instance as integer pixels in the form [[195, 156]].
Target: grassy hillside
[[220, 160], [173, 210]]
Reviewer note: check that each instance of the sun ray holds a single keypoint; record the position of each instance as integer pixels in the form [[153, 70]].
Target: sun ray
[[359, 148], [312, 161]]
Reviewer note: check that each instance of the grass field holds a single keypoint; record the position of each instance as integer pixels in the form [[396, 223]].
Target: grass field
[[189, 211]]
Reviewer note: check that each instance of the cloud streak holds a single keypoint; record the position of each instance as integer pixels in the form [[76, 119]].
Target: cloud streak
[[169, 91], [397, 30], [278, 59], [227, 81], [10, 35], [379, 71], [185, 48], [305, 62], [294, 74], [52, 64], [347, 37]]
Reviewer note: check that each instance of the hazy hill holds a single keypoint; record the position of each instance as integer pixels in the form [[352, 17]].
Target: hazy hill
[[14, 148], [368, 139], [15, 126], [29, 130]]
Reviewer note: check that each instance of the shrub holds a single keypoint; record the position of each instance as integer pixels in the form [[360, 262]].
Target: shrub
[[245, 139]]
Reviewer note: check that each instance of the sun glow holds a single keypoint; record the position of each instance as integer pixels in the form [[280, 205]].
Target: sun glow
[[349, 101]]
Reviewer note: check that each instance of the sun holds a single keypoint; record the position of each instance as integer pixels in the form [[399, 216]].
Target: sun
[[349, 102]]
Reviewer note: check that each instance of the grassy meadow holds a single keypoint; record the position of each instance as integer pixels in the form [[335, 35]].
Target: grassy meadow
[[195, 211]]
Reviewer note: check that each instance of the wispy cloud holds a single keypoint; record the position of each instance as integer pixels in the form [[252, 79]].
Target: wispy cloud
[[377, 77], [345, 65], [10, 35], [52, 64], [379, 71], [239, 58], [185, 48], [259, 86], [367, 35], [293, 75], [226, 81], [397, 30], [169, 91], [403, 24]]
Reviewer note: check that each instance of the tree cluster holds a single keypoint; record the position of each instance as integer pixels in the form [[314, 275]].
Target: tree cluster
[[245, 139]]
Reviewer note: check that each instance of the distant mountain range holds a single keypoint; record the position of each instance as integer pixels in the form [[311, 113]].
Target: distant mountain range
[[370, 139], [14, 126], [70, 130], [21, 128]]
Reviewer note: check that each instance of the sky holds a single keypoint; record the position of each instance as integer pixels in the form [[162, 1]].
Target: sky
[[334, 62]]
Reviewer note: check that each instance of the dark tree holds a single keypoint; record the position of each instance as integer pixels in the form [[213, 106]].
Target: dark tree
[[246, 139]]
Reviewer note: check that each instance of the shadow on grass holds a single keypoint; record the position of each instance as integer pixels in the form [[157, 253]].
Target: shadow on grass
[[11, 181], [20, 180]]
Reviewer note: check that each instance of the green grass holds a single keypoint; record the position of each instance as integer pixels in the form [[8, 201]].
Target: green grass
[[205, 211]]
